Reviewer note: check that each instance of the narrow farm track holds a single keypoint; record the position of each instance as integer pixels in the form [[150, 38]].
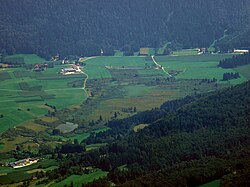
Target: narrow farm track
[[85, 83], [58, 89], [160, 66]]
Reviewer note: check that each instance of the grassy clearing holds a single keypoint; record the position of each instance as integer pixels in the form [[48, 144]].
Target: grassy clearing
[[244, 71], [186, 52], [28, 58], [95, 67], [78, 180], [138, 90], [71, 137], [35, 127], [81, 136], [137, 128], [101, 129], [9, 145], [49, 119], [215, 183], [94, 146], [67, 127], [197, 66]]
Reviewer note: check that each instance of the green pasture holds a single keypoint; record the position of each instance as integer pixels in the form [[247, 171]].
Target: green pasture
[[79, 136], [72, 137], [18, 105], [78, 180], [138, 90], [244, 71], [197, 66], [194, 58], [215, 183], [101, 129], [95, 67], [28, 58], [185, 52], [94, 146]]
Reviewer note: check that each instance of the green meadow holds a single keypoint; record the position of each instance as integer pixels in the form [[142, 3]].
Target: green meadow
[[27, 58], [78, 180], [244, 71], [198, 66], [185, 52], [95, 67], [24, 93], [215, 183]]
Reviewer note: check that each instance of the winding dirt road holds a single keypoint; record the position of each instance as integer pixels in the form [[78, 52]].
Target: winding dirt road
[[160, 66]]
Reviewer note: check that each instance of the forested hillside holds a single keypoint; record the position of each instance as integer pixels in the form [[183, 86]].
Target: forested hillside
[[85, 27], [191, 142]]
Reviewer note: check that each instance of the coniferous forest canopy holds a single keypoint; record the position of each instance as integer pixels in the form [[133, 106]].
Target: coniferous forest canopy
[[85, 27], [126, 93]]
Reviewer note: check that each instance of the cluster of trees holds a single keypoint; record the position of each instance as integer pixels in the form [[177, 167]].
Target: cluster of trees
[[79, 27], [229, 76], [188, 142], [235, 61]]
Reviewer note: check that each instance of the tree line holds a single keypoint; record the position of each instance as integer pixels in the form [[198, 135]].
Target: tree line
[[85, 28], [235, 61]]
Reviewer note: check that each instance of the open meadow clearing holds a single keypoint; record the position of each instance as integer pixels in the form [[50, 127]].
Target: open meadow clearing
[[198, 66], [78, 180], [244, 70], [27, 58]]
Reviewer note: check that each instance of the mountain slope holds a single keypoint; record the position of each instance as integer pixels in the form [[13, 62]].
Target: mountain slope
[[84, 27], [191, 142]]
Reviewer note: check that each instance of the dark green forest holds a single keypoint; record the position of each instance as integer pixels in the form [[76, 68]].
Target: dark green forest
[[235, 61], [50, 27], [189, 142]]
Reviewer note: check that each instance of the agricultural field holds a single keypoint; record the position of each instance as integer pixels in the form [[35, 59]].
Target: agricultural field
[[244, 71], [24, 93], [215, 183], [198, 66], [117, 87], [185, 52], [8, 175], [78, 180], [26, 58]]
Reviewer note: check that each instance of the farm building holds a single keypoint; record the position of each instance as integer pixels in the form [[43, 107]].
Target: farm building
[[40, 67], [72, 70], [23, 163], [240, 51]]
